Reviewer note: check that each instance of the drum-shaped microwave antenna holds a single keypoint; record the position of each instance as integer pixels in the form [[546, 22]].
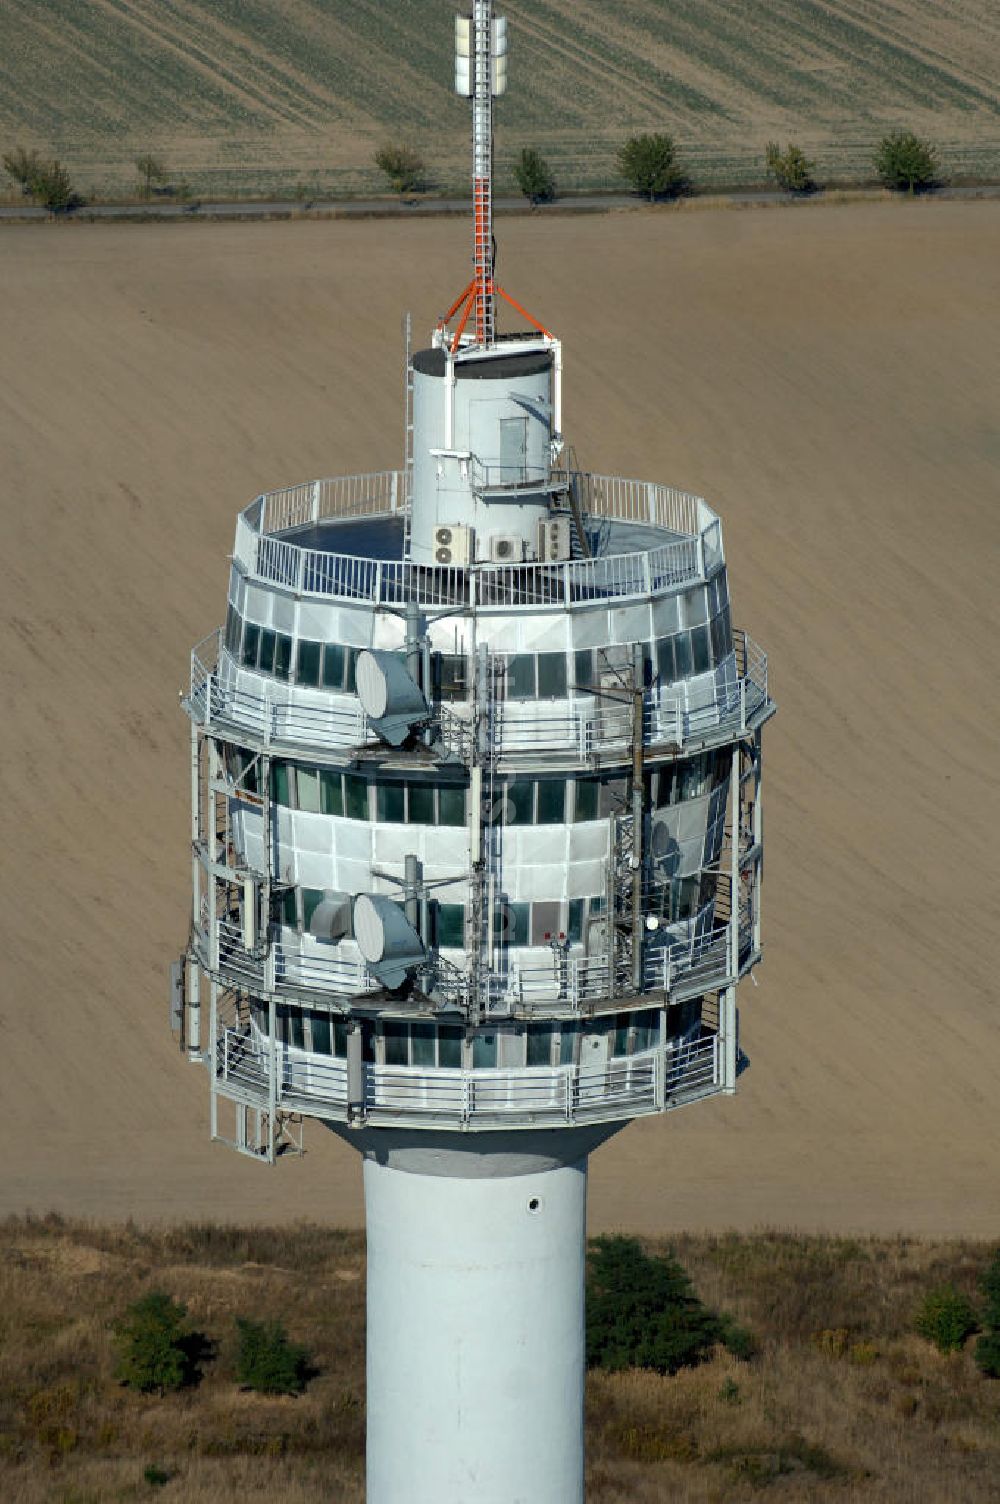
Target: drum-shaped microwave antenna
[[388, 942], [390, 697]]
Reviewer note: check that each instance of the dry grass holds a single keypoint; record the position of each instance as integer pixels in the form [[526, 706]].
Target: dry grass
[[843, 1402]]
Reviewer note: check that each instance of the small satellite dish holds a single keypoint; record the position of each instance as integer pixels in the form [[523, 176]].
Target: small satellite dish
[[386, 939], [390, 697]]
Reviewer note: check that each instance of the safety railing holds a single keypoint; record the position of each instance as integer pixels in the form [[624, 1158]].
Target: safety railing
[[651, 1081], [575, 730], [692, 554]]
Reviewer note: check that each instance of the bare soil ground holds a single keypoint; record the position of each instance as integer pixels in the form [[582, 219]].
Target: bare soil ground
[[826, 377], [841, 1400], [261, 98]]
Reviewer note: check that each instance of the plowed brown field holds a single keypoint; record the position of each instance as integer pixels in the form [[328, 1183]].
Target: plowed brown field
[[828, 378]]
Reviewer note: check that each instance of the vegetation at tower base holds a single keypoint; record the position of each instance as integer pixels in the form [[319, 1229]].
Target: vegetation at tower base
[[790, 169], [151, 171], [267, 1361], [904, 161], [988, 1345], [843, 1397], [534, 176], [156, 1346], [946, 1317], [642, 1312], [649, 163], [402, 165]]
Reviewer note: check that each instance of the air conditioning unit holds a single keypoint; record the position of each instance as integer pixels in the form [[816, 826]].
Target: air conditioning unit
[[553, 539], [453, 545], [506, 548]]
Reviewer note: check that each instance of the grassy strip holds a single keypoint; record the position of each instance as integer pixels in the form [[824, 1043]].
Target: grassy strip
[[843, 1399]]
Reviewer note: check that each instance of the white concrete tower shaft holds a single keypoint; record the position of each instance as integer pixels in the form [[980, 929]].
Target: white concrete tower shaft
[[476, 1264]]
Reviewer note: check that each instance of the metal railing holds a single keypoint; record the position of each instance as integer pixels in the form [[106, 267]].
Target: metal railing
[[651, 1081], [308, 571], [576, 730]]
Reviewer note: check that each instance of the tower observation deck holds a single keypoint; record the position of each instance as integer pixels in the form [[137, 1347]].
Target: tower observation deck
[[476, 852]]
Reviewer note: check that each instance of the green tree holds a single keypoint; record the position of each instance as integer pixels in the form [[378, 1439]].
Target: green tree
[[403, 166], [904, 161], [989, 1284], [23, 166], [151, 170], [156, 1349], [642, 1312], [534, 177], [51, 186], [946, 1317], [790, 169], [987, 1354], [267, 1361], [649, 163]]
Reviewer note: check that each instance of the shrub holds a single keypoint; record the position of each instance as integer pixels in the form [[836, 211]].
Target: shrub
[[642, 1312], [987, 1355], [151, 170], [48, 182], [946, 1318], [904, 161], [155, 1346], [267, 1361], [649, 163], [23, 166], [403, 166], [989, 1285], [533, 176], [790, 169]]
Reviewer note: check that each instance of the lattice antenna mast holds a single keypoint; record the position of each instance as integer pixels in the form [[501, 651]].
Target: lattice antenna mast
[[480, 73]]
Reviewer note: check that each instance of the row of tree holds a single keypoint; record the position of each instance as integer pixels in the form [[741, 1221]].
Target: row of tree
[[649, 163]]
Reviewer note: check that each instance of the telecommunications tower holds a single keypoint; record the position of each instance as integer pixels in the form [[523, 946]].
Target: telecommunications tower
[[476, 838]]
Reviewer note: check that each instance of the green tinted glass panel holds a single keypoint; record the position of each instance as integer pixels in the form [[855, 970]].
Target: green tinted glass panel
[[289, 908], [397, 1050], [450, 1048], [586, 799], [421, 804], [700, 650], [265, 658], [308, 662], [451, 924], [521, 677], [551, 801], [282, 656], [539, 1044], [355, 797], [574, 921], [665, 660], [566, 1043], [621, 1034], [232, 629], [647, 1029], [251, 642], [279, 783], [520, 798], [422, 1044], [583, 668], [368, 1043], [352, 665], [333, 666], [340, 1038], [331, 793], [484, 1052], [518, 923], [291, 1028], [551, 676], [453, 677], [452, 806], [682, 655], [389, 802], [321, 1040], [311, 900], [307, 790]]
